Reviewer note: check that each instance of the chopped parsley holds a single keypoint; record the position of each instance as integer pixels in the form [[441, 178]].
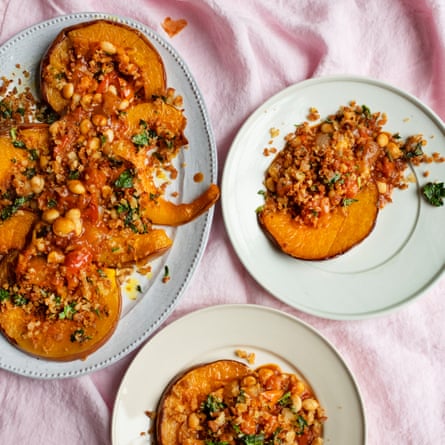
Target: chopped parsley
[[145, 137], [15, 141], [348, 201], [285, 400], [79, 336], [366, 111], [434, 192], [68, 312], [414, 152], [4, 295], [212, 405], [125, 180], [19, 300], [301, 423], [11, 209]]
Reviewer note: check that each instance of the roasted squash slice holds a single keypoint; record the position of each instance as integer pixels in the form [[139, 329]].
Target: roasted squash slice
[[225, 401], [335, 233], [187, 391], [129, 248], [163, 212], [68, 334], [130, 50], [15, 229], [15, 146]]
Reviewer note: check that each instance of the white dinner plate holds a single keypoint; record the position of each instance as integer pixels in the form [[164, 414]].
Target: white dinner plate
[[215, 333], [402, 257], [143, 312]]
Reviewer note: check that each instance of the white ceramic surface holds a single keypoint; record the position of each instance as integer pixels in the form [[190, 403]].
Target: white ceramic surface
[[143, 315], [215, 333], [402, 257]]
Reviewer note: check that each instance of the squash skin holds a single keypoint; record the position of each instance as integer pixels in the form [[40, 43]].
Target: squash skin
[[193, 384], [335, 234], [56, 59]]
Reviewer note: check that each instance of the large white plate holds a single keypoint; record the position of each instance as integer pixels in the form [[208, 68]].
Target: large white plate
[[405, 253], [215, 333], [141, 316]]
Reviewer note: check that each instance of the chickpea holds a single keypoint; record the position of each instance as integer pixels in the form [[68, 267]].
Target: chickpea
[[68, 91], [108, 47], [99, 120], [94, 143], [109, 135], [310, 404], [50, 215], [75, 186], [382, 140], [123, 105], [296, 402], [74, 215], [97, 98], [85, 126], [86, 100], [394, 150], [37, 184], [326, 127], [63, 226], [300, 387]]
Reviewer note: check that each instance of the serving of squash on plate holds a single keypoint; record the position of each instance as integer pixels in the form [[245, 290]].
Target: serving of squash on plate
[[324, 189], [81, 195], [228, 402]]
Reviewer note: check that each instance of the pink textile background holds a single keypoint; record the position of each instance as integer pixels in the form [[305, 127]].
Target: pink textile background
[[241, 53]]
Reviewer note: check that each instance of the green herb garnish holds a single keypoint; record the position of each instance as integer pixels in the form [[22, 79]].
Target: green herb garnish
[[125, 180], [434, 192]]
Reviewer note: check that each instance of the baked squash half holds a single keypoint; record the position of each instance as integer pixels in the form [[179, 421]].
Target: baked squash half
[[43, 314], [226, 402], [100, 56], [335, 233]]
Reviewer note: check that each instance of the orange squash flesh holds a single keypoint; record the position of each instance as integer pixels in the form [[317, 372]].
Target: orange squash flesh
[[53, 338], [14, 231], [193, 385], [129, 248], [32, 136], [80, 37], [163, 212], [335, 234]]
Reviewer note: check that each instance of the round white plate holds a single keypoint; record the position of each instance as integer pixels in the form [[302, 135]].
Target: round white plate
[[400, 259], [215, 333], [144, 311]]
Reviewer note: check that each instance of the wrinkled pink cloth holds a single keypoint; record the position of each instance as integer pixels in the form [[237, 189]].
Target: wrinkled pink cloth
[[241, 53]]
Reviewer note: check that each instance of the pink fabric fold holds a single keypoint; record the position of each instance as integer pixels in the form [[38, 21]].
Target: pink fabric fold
[[241, 53]]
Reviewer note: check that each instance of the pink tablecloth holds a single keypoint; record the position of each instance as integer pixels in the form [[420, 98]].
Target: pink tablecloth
[[242, 52]]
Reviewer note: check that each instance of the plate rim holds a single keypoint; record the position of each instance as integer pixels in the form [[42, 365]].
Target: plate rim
[[50, 368], [189, 317], [263, 107]]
